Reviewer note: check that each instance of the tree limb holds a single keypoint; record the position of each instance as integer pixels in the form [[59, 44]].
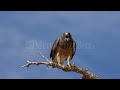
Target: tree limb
[[86, 74]]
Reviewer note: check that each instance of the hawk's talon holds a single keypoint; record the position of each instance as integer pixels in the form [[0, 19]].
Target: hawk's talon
[[60, 64], [70, 66], [63, 66]]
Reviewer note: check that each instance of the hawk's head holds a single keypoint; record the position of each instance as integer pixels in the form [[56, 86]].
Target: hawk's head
[[67, 36]]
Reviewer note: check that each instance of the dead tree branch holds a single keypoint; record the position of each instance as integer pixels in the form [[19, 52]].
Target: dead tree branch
[[86, 74]]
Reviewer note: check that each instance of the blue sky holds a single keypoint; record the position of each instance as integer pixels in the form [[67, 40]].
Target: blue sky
[[24, 33]]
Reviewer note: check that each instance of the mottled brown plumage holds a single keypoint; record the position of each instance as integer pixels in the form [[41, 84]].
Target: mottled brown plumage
[[63, 49]]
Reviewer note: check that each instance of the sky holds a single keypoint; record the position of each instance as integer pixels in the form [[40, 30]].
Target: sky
[[24, 33]]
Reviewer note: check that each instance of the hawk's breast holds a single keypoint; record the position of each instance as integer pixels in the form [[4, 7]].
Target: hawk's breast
[[65, 53], [65, 48]]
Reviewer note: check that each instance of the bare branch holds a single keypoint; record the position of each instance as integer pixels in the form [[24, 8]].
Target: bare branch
[[86, 74], [43, 56]]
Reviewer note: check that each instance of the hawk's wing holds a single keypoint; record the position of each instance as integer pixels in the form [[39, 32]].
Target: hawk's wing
[[74, 49], [54, 48]]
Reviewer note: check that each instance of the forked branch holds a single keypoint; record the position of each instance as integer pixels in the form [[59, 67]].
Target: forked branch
[[86, 74]]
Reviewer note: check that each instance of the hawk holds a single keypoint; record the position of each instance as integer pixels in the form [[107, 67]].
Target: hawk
[[63, 48]]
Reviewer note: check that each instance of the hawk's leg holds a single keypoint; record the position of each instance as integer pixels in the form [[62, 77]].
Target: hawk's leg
[[69, 58], [58, 59], [60, 62]]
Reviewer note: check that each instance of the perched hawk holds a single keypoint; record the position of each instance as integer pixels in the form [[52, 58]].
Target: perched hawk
[[63, 49]]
